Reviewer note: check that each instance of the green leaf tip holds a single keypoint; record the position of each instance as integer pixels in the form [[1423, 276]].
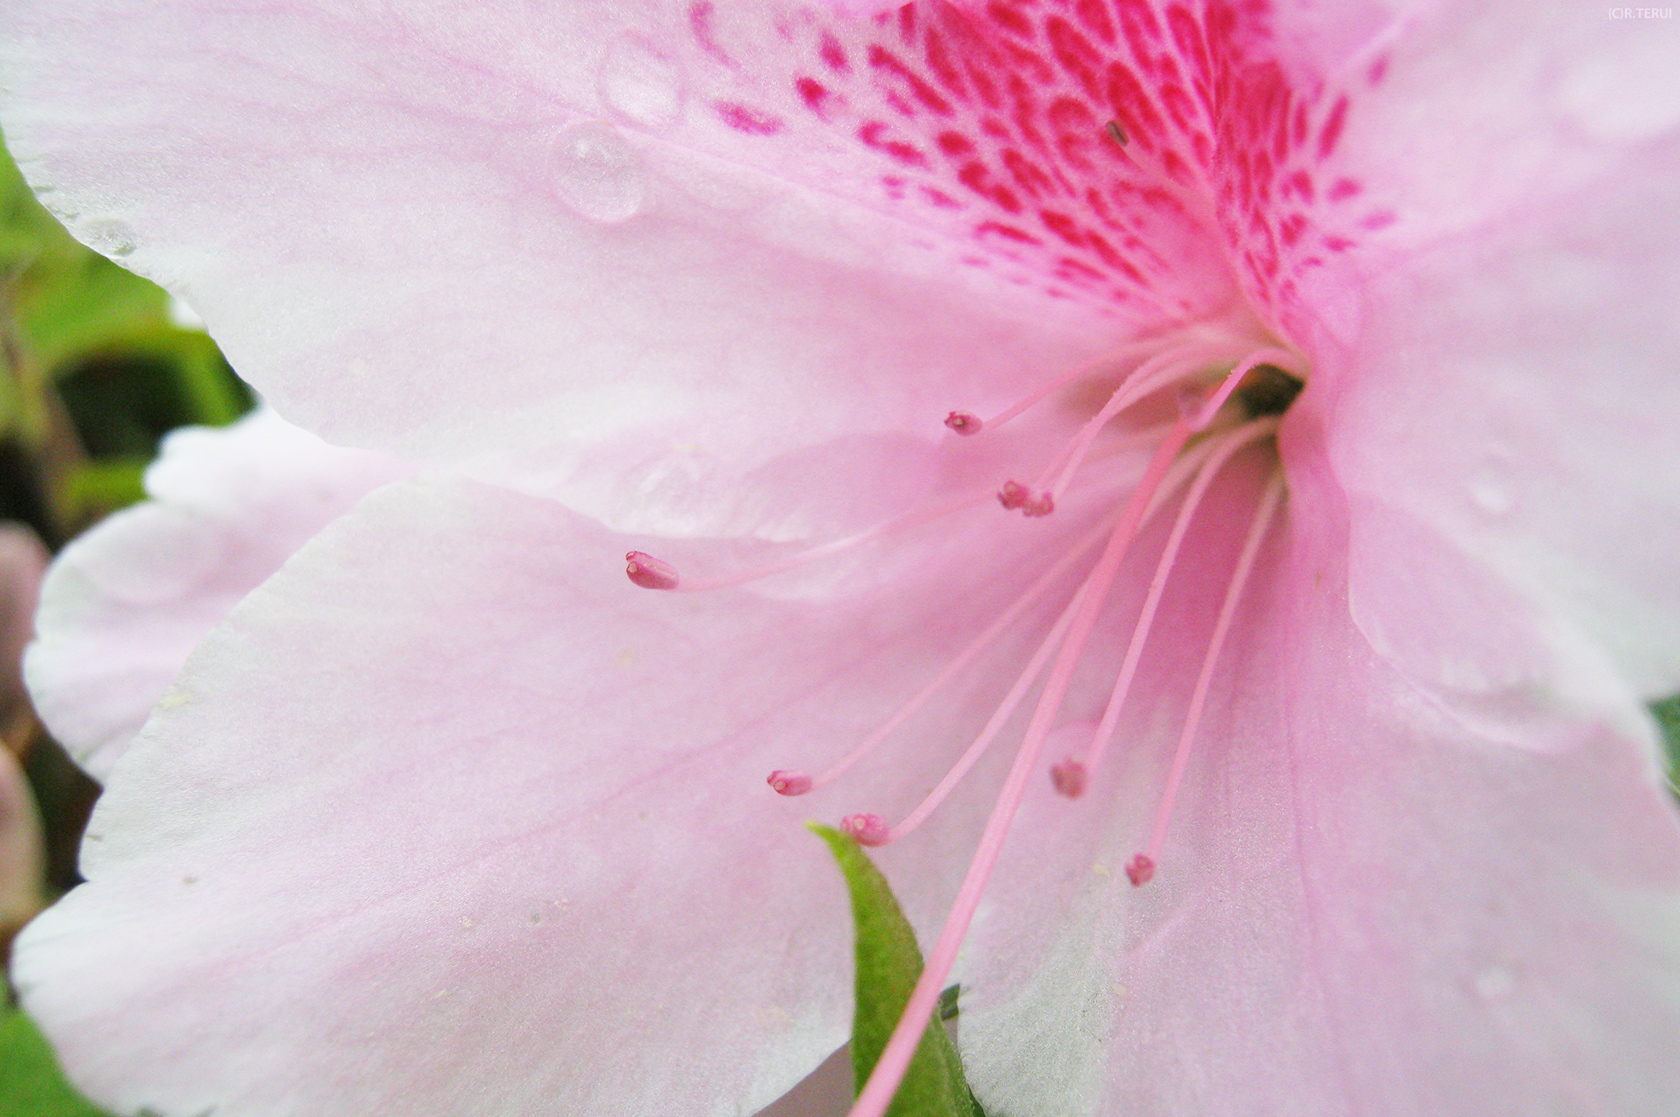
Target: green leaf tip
[[31, 1084], [888, 964]]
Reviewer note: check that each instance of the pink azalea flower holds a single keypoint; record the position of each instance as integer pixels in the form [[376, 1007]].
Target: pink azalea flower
[[448, 817]]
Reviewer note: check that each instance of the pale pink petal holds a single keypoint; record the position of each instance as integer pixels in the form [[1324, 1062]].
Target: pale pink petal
[[1491, 318], [124, 604], [449, 784], [1516, 392], [648, 248], [1363, 907]]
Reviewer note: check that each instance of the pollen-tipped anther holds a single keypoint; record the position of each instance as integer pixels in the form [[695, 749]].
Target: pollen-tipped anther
[[1068, 777], [869, 829], [789, 781], [650, 573], [964, 422], [1140, 870], [1013, 495]]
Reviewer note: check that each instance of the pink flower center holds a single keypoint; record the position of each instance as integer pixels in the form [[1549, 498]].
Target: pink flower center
[[1228, 392]]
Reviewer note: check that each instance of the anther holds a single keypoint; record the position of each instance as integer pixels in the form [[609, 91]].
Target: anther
[[870, 829], [1068, 777], [1116, 133], [1015, 495], [789, 781], [1140, 870], [650, 573], [964, 422]]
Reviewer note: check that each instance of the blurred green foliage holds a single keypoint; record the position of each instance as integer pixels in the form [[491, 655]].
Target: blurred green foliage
[[31, 1084], [1668, 718], [96, 369]]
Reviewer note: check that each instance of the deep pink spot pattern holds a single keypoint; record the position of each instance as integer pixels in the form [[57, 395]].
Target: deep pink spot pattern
[[991, 121]]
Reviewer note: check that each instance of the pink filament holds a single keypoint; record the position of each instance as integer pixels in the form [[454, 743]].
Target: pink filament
[[1181, 469], [1223, 451], [1221, 630], [823, 550], [1172, 479], [1118, 356], [1146, 379], [979, 644], [1282, 358], [883, 1082], [994, 724]]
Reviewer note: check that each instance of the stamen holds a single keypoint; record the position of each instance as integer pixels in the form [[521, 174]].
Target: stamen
[[1224, 448], [650, 573], [1148, 378], [789, 781], [869, 829], [907, 522], [1116, 133], [994, 724], [1135, 350], [964, 422], [1182, 468], [1282, 358], [1013, 495], [883, 1082], [1069, 557], [1221, 629]]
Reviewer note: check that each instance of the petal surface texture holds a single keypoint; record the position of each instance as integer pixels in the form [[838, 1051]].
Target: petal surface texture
[[124, 605], [448, 784], [660, 244], [1366, 907], [712, 275]]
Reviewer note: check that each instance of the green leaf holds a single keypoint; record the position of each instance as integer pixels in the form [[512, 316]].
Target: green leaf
[[31, 1084], [1668, 720], [888, 964]]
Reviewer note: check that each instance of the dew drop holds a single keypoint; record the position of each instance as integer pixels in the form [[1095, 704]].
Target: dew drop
[[640, 85], [108, 236], [598, 174]]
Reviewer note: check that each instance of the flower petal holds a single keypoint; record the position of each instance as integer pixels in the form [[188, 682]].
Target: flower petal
[[810, 226], [450, 818], [1363, 908], [1515, 392], [124, 604]]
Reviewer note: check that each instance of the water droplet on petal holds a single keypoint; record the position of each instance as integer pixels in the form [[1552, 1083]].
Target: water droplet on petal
[[598, 174], [108, 236], [640, 85]]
